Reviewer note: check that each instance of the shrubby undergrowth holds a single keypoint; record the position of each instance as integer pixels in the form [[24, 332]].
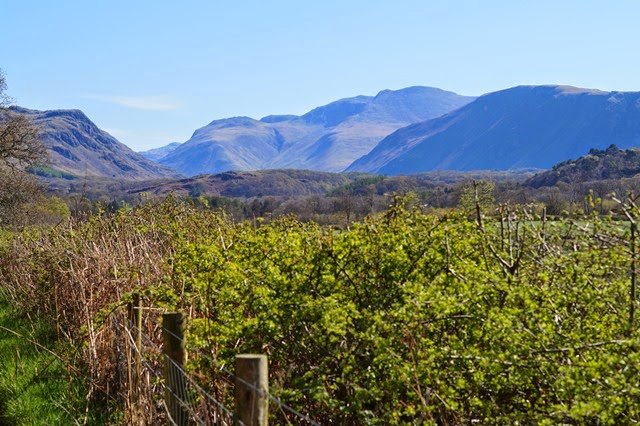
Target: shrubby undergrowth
[[403, 318]]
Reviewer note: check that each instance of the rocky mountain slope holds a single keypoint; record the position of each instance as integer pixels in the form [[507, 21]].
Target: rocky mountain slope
[[78, 147], [328, 138], [525, 126]]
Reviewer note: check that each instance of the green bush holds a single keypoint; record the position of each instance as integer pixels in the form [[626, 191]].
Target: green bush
[[404, 318]]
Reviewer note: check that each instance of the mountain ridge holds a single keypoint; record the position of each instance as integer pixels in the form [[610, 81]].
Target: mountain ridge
[[77, 146], [327, 138], [519, 127]]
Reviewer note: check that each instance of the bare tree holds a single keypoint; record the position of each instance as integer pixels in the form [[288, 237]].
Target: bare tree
[[20, 147], [20, 144], [4, 99]]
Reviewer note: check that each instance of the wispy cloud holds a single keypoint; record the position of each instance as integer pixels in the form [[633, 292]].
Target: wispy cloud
[[155, 103]]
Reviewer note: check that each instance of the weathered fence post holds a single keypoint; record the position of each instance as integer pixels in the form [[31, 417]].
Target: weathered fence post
[[174, 349], [634, 274], [134, 316], [252, 390]]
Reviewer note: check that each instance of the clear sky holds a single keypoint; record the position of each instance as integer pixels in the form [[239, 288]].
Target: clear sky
[[151, 72]]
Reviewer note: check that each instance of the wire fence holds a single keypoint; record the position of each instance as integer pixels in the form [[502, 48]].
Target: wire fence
[[138, 378], [193, 401], [286, 410], [156, 389]]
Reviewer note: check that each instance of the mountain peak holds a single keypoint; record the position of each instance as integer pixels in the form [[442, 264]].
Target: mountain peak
[[77, 146], [74, 114], [545, 89], [411, 90], [277, 118], [233, 122], [327, 138]]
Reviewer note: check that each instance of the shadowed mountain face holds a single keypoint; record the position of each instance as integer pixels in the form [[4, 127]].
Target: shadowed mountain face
[[328, 138], [525, 126], [77, 146]]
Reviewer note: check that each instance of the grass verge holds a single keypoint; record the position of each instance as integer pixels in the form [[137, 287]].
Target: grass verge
[[36, 387]]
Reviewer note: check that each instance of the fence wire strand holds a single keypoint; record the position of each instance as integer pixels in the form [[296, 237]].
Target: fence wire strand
[[272, 398], [278, 402], [188, 398], [202, 407]]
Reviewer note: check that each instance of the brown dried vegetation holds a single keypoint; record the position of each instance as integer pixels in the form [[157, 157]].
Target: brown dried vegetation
[[82, 271]]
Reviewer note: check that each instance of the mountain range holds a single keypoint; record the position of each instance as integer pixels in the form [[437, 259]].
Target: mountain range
[[521, 127], [405, 131], [328, 138]]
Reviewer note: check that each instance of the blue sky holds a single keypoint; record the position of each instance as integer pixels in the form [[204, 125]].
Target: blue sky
[[151, 72]]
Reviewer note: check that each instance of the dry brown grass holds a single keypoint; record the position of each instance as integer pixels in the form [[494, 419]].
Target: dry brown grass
[[82, 273]]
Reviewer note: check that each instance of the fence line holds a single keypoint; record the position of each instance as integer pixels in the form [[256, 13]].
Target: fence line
[[272, 398], [144, 399], [141, 399], [201, 406]]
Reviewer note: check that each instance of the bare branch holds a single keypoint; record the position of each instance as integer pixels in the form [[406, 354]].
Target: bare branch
[[20, 144], [5, 100]]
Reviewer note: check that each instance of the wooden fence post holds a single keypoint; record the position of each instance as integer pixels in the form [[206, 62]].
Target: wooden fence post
[[135, 319], [174, 348], [252, 390]]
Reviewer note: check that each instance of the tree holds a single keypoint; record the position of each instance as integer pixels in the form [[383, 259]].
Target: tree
[[20, 144], [555, 201], [476, 197], [20, 148]]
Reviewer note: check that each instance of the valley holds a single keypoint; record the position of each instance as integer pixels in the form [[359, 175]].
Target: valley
[[415, 249]]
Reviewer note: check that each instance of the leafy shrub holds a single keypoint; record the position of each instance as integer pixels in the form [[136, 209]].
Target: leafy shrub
[[404, 318]]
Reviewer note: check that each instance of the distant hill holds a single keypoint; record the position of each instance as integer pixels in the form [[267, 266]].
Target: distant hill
[[612, 163], [78, 147], [521, 127], [285, 183], [328, 138], [299, 183], [156, 154]]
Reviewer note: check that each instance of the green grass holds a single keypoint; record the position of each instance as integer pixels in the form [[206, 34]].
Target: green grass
[[35, 386]]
